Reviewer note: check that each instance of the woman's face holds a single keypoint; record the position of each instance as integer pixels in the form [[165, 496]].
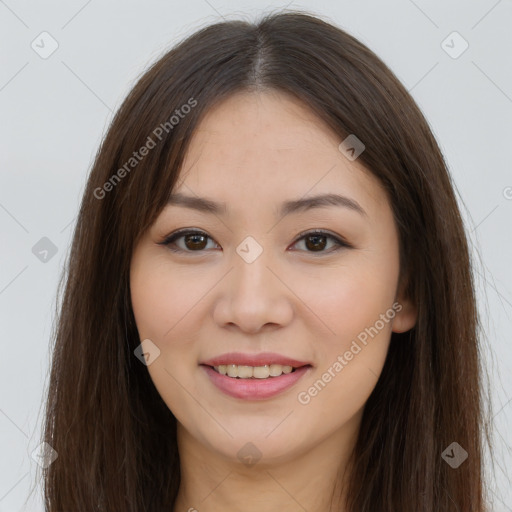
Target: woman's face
[[256, 288]]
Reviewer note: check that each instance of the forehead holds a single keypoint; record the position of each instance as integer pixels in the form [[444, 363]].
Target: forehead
[[270, 146]]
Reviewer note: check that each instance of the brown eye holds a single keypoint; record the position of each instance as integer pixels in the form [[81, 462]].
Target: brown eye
[[193, 241], [316, 241]]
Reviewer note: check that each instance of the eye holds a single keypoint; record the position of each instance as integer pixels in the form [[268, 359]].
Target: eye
[[196, 241], [316, 240]]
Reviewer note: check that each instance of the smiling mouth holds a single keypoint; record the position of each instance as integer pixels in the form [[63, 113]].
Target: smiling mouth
[[236, 371]]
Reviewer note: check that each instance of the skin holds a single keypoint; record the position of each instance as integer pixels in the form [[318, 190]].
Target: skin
[[294, 300]]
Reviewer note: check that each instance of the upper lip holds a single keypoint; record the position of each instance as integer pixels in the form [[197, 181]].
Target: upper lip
[[260, 359]]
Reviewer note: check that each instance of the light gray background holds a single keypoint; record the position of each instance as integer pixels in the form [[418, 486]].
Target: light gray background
[[55, 111]]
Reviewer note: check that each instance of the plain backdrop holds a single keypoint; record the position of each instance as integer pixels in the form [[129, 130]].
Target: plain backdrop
[[54, 110]]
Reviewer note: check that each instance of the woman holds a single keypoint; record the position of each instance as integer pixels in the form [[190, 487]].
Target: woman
[[269, 301]]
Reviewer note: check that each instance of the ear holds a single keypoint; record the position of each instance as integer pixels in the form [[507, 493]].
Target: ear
[[406, 313]]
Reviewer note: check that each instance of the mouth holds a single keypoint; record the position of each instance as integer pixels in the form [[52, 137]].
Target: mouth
[[254, 376], [266, 371], [255, 383]]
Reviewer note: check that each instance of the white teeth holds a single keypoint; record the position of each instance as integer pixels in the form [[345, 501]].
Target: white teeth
[[257, 372]]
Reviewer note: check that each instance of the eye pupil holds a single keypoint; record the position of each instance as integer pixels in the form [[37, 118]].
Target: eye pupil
[[194, 244], [315, 243]]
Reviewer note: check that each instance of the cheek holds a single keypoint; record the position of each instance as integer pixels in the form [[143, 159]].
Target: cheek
[[162, 298], [350, 299], [356, 304], [170, 309], [151, 301], [162, 312], [349, 362]]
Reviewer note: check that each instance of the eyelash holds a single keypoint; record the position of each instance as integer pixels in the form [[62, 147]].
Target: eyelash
[[169, 240]]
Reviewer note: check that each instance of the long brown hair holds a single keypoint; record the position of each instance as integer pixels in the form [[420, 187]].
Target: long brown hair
[[114, 435]]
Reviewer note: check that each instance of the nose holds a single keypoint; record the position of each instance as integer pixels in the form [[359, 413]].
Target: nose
[[253, 296]]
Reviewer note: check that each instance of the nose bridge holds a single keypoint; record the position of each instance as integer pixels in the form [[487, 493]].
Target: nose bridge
[[251, 274], [254, 296]]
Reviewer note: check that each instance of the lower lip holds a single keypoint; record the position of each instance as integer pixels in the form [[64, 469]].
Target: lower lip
[[255, 389]]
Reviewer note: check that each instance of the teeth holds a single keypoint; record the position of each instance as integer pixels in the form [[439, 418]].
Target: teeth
[[256, 372]]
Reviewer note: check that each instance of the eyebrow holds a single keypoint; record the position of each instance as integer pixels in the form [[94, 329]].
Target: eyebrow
[[205, 205]]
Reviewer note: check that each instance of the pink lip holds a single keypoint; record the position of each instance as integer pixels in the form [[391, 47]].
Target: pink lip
[[254, 389], [261, 359]]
